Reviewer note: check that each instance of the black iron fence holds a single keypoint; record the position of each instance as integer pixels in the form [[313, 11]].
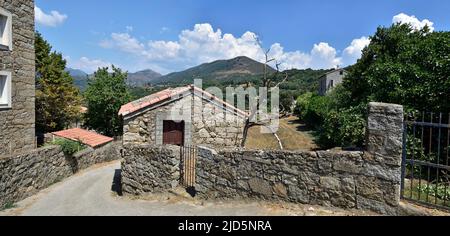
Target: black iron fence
[[426, 159], [188, 166]]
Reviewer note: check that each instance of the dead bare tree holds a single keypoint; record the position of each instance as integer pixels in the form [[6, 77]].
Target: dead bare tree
[[268, 83]]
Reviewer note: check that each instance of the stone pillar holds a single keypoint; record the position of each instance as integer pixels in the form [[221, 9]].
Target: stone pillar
[[159, 128], [378, 188], [384, 135]]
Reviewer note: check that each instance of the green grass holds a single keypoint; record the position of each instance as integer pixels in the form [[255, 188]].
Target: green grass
[[8, 206], [418, 193]]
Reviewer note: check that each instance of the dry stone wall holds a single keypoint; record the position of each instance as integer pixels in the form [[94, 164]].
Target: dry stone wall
[[340, 179], [88, 157], [367, 180], [23, 175], [150, 169], [17, 124]]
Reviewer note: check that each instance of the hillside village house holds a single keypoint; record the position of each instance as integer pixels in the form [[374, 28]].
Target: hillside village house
[[17, 72], [330, 80], [183, 116]]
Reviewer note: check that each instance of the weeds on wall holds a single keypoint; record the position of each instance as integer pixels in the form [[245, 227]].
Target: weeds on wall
[[69, 147]]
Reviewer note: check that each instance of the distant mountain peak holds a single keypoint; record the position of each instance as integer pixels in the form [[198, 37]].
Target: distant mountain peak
[[238, 68], [76, 72], [143, 77]]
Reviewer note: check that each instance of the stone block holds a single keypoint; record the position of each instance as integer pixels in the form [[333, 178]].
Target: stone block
[[260, 186], [330, 183], [280, 190]]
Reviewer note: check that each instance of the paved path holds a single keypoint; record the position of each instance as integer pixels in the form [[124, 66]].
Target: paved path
[[89, 194]]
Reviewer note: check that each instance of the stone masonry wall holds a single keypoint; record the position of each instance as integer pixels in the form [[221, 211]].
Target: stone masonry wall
[[340, 179], [17, 125], [215, 127], [142, 129], [211, 126], [25, 174], [150, 169], [365, 180], [88, 157]]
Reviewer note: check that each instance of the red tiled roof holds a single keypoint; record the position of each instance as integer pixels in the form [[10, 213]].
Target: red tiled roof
[[151, 99], [170, 93], [89, 138]]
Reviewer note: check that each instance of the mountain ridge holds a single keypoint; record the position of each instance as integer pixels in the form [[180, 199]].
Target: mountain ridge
[[238, 68], [139, 78]]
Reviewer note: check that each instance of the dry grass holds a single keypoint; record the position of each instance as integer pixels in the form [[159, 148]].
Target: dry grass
[[292, 133]]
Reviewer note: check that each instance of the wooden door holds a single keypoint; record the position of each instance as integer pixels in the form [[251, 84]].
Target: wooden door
[[173, 132]]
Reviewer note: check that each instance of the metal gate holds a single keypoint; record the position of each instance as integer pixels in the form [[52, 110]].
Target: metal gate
[[426, 159], [188, 166]]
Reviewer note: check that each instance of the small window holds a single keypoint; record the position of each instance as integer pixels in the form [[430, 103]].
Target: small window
[[5, 90], [5, 30], [341, 72], [331, 83]]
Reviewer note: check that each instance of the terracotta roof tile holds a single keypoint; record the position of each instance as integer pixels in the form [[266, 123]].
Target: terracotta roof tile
[[89, 138], [151, 100], [170, 93]]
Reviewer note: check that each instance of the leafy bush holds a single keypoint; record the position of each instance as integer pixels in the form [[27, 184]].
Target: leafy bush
[[313, 109], [440, 191], [342, 128], [69, 147], [302, 104], [334, 126]]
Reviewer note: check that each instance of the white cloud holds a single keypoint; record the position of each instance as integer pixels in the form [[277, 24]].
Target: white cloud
[[124, 42], [353, 52], [164, 30], [413, 21], [205, 44], [52, 20], [129, 28], [324, 56], [87, 65]]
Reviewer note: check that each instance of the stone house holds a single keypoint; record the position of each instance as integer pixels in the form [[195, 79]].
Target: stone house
[[182, 116], [17, 76], [330, 80]]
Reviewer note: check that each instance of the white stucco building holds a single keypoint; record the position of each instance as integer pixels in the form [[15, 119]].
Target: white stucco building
[[330, 80]]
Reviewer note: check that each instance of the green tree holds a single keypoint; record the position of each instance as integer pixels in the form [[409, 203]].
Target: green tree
[[105, 94], [58, 101], [403, 66], [400, 65]]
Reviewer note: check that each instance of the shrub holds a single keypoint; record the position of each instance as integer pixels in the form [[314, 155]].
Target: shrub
[[335, 126], [69, 147], [342, 128], [302, 104], [313, 109]]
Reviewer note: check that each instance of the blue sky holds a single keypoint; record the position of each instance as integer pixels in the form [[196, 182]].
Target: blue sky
[[172, 35]]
